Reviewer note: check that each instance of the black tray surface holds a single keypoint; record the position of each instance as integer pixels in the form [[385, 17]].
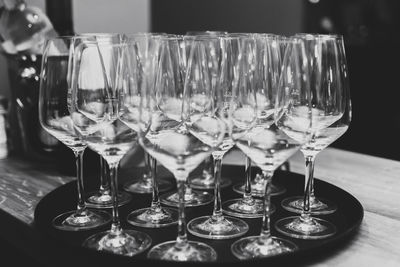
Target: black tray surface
[[68, 244]]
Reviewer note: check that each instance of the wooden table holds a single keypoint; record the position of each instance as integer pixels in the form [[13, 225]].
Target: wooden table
[[375, 182]]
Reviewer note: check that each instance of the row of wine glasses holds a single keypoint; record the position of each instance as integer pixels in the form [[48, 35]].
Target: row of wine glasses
[[185, 99]]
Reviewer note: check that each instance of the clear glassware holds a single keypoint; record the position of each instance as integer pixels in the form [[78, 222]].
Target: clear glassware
[[267, 68], [234, 49], [101, 198], [257, 185], [322, 139], [268, 147], [182, 131], [144, 184], [96, 92], [310, 108], [141, 60], [193, 198], [55, 118], [205, 180]]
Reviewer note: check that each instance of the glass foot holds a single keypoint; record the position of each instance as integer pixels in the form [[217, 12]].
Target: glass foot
[[258, 188], [192, 251], [312, 228], [223, 227], [153, 217], [318, 206], [240, 208], [193, 198], [126, 242], [104, 201], [260, 247], [145, 186], [71, 221], [207, 184]]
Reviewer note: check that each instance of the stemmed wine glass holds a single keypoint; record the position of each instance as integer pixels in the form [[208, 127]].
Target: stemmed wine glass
[[310, 111], [237, 70], [181, 132], [267, 62], [323, 138], [144, 184], [205, 180], [96, 93], [257, 186], [102, 198], [193, 198], [55, 118], [141, 62], [268, 147]]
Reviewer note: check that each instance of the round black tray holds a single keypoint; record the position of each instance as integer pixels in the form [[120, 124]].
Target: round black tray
[[347, 220]]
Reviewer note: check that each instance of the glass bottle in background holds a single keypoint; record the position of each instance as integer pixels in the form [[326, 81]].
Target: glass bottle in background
[[23, 31], [3, 128], [25, 27]]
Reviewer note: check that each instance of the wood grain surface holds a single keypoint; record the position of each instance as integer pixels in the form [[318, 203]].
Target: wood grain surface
[[375, 182]]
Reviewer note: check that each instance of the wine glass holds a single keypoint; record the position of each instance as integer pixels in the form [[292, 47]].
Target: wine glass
[[193, 198], [309, 109], [96, 92], [55, 118], [141, 58], [205, 180], [102, 198], [323, 138], [237, 56], [267, 62], [268, 147], [181, 132], [144, 185], [257, 186]]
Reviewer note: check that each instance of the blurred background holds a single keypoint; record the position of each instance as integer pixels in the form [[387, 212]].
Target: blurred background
[[370, 27]]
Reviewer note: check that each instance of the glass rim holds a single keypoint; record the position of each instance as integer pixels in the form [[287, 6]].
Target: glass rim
[[206, 33], [318, 35]]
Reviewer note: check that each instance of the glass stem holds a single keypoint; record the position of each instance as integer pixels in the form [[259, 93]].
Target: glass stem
[[247, 197], [148, 167], [155, 202], [208, 169], [188, 190], [305, 215], [81, 208], [265, 226], [115, 225], [104, 184], [217, 212], [181, 240], [312, 196]]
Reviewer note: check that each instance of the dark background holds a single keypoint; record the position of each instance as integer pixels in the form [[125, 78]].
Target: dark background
[[371, 31]]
